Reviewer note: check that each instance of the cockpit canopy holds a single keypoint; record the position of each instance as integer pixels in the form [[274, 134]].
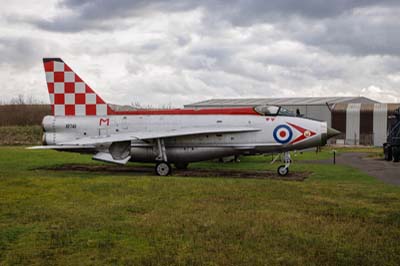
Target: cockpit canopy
[[272, 110]]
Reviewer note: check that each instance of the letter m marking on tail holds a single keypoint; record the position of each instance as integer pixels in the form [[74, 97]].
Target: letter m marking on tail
[[104, 121]]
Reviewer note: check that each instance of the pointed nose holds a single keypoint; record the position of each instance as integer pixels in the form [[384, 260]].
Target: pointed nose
[[331, 132]]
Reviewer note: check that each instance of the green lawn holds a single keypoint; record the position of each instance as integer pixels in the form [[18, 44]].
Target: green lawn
[[338, 216]]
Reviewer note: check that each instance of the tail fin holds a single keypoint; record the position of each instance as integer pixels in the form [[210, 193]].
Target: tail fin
[[69, 94]]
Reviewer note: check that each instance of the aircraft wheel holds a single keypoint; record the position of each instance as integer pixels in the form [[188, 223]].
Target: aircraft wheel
[[181, 166], [163, 169], [283, 171]]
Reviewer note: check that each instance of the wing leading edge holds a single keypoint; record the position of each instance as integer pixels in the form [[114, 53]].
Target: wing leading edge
[[91, 142], [147, 135]]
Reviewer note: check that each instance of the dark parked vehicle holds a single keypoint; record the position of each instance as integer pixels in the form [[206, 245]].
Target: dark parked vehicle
[[391, 148]]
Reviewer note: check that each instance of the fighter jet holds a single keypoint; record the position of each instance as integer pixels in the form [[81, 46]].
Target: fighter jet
[[83, 122]]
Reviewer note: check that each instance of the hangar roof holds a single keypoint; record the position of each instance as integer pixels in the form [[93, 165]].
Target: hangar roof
[[279, 101], [386, 107]]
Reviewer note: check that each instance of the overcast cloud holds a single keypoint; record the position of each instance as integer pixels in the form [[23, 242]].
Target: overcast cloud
[[174, 52]]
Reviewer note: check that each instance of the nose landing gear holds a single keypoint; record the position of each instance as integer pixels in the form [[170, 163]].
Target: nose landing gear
[[283, 170]]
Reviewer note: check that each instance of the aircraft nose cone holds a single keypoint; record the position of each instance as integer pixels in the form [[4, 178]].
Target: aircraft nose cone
[[331, 132]]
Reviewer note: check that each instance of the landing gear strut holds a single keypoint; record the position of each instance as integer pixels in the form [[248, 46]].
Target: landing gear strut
[[163, 168], [283, 170]]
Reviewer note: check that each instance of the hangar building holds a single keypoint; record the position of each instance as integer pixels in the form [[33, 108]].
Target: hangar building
[[361, 120], [363, 124]]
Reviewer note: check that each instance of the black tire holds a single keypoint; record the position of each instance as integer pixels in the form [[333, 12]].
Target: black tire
[[282, 170], [387, 150], [181, 166], [396, 154], [163, 169]]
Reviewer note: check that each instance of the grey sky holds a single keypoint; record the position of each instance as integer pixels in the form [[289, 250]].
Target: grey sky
[[176, 52]]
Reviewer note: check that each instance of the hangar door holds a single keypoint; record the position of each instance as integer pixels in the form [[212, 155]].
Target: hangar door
[[353, 124]]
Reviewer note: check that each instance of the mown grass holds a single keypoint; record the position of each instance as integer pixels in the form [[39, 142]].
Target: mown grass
[[338, 216]]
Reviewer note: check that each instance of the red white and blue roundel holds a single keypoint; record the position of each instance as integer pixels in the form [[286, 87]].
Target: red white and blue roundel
[[283, 134]]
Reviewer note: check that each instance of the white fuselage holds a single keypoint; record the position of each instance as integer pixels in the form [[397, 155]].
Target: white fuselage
[[195, 147]]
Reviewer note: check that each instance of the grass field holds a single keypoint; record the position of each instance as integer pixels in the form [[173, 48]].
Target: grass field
[[338, 216]]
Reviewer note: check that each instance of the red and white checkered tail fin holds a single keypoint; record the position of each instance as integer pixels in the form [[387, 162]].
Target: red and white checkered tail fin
[[69, 94]]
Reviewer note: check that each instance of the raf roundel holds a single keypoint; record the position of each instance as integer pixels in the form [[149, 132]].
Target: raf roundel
[[283, 134]]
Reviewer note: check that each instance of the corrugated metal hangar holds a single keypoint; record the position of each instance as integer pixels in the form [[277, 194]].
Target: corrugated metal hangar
[[361, 120], [363, 124]]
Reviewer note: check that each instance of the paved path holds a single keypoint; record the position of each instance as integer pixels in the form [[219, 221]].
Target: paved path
[[388, 172]]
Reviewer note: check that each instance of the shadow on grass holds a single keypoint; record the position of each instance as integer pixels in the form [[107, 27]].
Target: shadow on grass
[[192, 172]]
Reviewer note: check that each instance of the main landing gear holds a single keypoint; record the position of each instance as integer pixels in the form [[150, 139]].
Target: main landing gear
[[283, 170], [163, 168]]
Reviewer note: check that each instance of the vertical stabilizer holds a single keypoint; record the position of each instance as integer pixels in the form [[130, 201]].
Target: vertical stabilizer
[[69, 94]]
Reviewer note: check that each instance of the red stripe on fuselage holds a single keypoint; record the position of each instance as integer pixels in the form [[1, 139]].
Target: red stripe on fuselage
[[220, 111]]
